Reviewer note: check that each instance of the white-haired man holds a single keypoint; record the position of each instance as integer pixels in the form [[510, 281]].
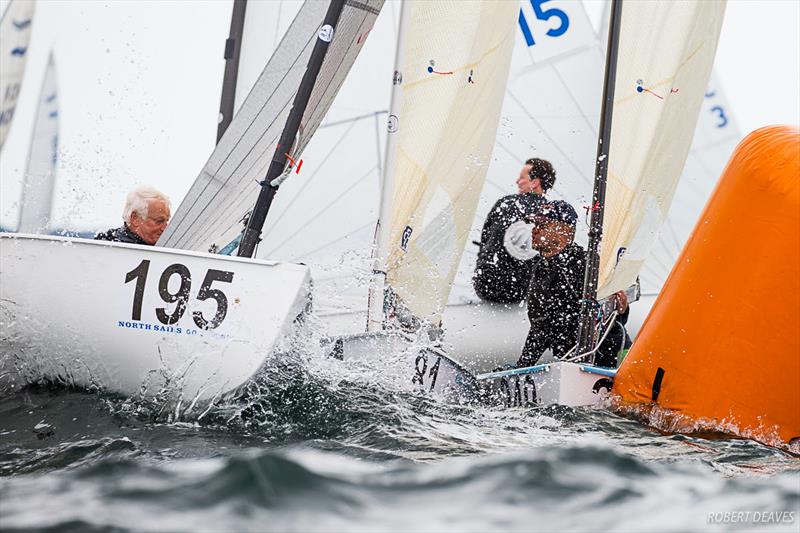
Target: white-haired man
[[145, 217]]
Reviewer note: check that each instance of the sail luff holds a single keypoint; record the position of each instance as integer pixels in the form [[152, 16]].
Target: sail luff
[[376, 299], [586, 325], [37, 189], [252, 232]]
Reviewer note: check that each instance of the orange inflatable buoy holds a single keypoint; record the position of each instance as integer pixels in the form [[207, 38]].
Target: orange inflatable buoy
[[720, 349]]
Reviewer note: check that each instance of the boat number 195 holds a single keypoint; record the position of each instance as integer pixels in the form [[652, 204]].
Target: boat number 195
[[182, 295]]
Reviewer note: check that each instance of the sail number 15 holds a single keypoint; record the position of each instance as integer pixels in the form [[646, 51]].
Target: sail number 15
[[181, 297], [544, 13]]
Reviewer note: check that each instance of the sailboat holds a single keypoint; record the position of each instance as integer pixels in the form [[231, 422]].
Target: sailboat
[[210, 217], [639, 195], [15, 33], [152, 321], [37, 191], [558, 121], [642, 146]]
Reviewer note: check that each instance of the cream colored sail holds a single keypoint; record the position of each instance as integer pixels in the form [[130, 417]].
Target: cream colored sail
[[666, 53], [456, 58]]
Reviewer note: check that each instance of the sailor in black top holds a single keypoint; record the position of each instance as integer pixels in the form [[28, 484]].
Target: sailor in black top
[[500, 277], [556, 287], [146, 215], [120, 234]]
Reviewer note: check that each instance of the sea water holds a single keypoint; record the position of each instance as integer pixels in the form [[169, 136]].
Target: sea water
[[317, 444]]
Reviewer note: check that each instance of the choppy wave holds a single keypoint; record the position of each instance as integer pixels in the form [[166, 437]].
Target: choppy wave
[[580, 486], [317, 445]]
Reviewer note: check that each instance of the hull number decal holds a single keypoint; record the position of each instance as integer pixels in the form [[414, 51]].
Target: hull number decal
[[181, 296], [517, 391], [419, 377]]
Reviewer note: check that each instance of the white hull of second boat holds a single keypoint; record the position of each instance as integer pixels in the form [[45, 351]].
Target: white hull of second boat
[[136, 319], [430, 370], [480, 336]]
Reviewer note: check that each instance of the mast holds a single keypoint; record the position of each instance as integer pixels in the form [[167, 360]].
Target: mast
[[233, 47], [587, 323], [376, 298], [252, 233]]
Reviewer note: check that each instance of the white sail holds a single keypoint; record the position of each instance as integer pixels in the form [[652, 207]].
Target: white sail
[[264, 25], [37, 190], [456, 58], [226, 189], [665, 57], [15, 33]]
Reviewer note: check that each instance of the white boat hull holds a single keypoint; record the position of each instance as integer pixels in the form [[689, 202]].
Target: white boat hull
[[431, 370], [560, 383], [136, 319], [479, 337]]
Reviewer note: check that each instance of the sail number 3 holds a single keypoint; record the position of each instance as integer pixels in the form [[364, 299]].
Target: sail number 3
[[544, 14], [181, 297]]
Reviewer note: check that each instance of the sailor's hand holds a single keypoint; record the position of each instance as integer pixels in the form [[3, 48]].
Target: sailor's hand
[[518, 240], [622, 302]]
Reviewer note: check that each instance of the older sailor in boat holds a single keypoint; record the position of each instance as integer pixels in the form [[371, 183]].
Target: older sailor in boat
[[500, 277], [554, 300], [145, 216]]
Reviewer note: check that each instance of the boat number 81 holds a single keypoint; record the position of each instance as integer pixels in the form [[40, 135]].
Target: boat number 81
[[182, 295]]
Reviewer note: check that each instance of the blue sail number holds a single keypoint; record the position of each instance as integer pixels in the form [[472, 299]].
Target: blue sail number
[[720, 112], [543, 14]]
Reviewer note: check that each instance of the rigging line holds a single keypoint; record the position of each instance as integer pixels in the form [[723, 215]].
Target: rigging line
[[652, 264], [242, 177], [549, 138], [315, 250], [321, 211], [733, 137], [306, 183], [352, 119], [574, 100], [564, 55], [675, 240]]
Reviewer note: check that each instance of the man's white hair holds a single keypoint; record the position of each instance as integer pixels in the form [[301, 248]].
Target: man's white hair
[[139, 199]]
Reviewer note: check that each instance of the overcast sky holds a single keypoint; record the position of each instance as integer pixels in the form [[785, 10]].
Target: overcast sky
[[139, 85]]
